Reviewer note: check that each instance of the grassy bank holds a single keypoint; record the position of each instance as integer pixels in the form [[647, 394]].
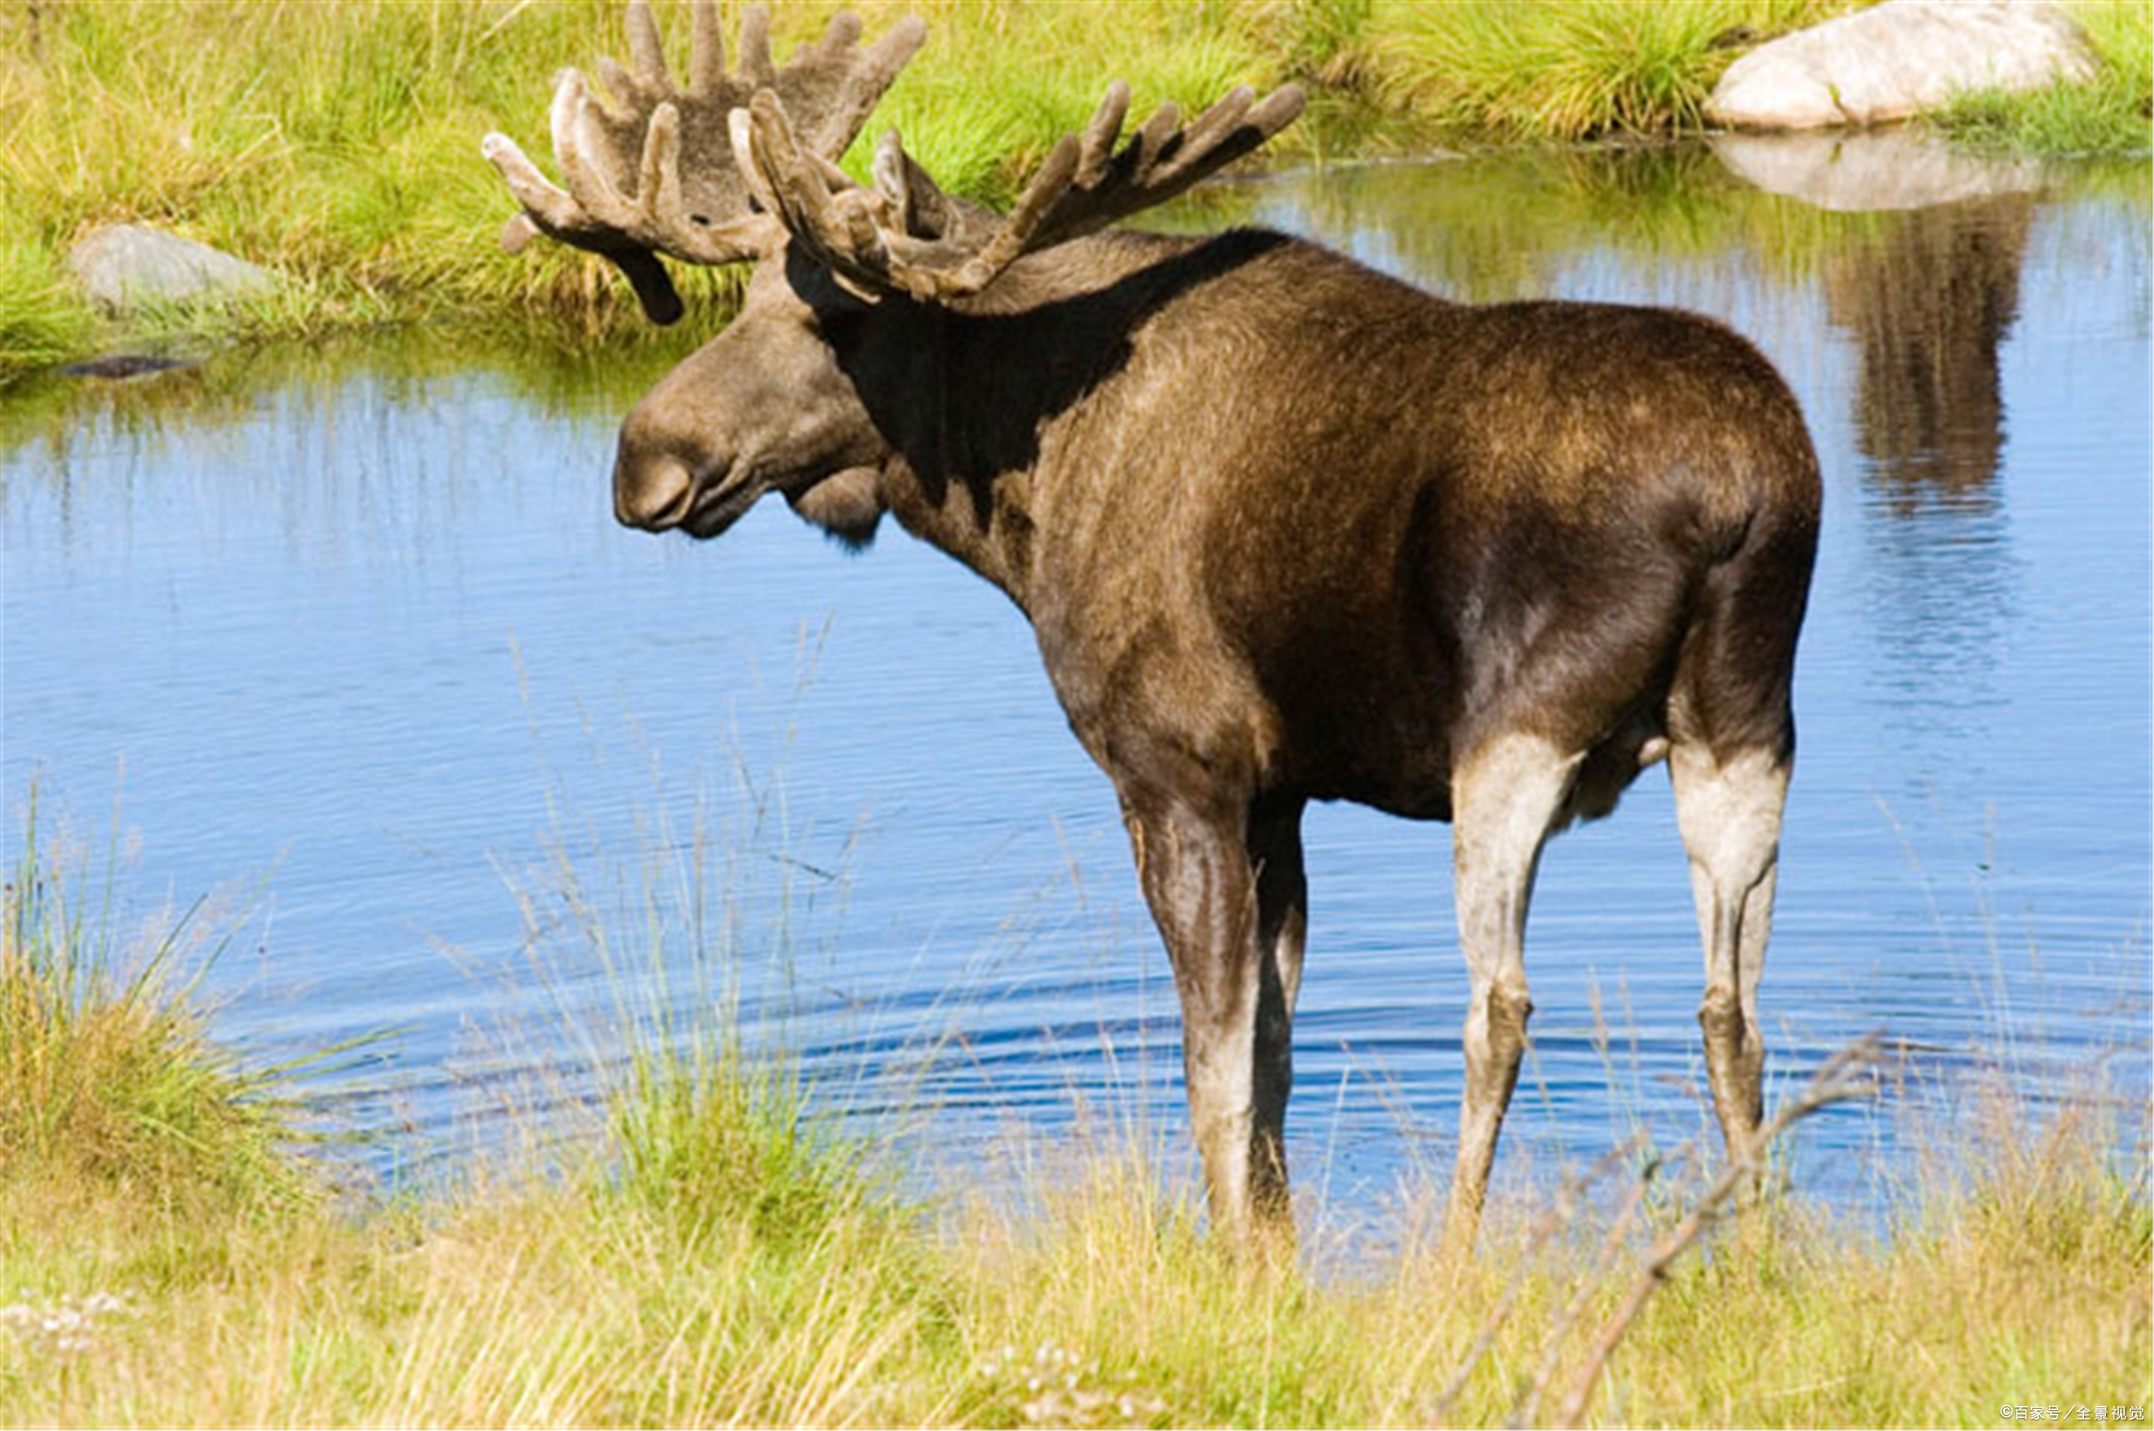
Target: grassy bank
[[335, 140], [722, 1255], [2109, 114]]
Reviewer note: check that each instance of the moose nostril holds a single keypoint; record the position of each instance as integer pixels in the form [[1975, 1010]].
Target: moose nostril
[[652, 495]]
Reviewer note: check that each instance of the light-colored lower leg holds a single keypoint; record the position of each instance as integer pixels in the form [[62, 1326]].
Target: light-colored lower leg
[[1504, 801], [1201, 888], [1217, 1062], [1729, 811]]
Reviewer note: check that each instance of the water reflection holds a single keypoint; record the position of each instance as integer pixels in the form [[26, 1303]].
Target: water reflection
[[385, 440], [1928, 303]]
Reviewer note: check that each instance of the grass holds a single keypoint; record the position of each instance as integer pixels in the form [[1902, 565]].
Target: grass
[[42, 321], [723, 1253], [336, 141], [111, 1082], [1571, 71], [2107, 115]]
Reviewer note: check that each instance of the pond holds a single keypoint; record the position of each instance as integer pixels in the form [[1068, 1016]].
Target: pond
[[349, 637]]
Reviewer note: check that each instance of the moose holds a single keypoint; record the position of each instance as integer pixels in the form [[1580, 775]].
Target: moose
[[1287, 529]]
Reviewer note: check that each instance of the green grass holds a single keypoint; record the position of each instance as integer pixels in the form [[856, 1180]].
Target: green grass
[[724, 1253], [2111, 114], [335, 140], [42, 320], [1570, 71]]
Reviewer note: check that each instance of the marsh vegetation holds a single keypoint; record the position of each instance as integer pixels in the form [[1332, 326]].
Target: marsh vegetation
[[336, 142]]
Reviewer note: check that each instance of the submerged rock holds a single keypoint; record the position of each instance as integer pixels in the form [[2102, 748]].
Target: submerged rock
[[1896, 168], [1902, 58], [125, 365], [123, 266]]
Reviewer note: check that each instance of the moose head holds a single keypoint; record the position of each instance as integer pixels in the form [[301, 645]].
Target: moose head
[[741, 167]]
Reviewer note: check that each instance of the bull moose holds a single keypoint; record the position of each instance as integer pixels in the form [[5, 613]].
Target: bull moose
[[1287, 529]]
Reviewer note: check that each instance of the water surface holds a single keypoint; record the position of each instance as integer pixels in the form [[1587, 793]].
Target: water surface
[[351, 638]]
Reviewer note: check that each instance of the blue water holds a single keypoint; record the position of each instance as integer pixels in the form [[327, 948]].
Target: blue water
[[350, 641]]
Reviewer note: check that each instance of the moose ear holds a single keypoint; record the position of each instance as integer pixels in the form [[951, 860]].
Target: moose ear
[[918, 207]]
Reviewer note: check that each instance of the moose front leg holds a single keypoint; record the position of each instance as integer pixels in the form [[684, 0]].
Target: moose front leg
[[1226, 893], [1282, 890]]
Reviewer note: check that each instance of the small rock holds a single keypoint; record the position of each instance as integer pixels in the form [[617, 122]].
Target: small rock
[[1902, 58], [125, 266]]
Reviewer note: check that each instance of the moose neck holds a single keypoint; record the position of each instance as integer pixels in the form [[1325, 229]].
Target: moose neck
[[1018, 386]]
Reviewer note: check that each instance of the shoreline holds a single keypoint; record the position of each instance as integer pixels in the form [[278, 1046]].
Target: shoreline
[[337, 144]]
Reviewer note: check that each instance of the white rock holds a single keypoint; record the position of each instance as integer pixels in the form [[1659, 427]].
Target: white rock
[[1903, 57]]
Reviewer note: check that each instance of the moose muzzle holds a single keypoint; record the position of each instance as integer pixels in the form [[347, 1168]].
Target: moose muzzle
[[653, 493]]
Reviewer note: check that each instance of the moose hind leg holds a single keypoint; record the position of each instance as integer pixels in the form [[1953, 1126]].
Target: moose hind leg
[[1728, 809], [1505, 800]]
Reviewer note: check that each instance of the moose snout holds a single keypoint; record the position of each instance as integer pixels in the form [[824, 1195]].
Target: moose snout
[[651, 492]]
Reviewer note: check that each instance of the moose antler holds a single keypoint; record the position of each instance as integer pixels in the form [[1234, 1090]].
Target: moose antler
[[628, 195], [873, 240]]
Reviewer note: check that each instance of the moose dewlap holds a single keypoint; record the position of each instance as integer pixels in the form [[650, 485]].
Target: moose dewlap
[[1287, 529]]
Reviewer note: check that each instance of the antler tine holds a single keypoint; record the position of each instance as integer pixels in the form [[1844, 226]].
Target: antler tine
[[645, 53], [740, 131], [644, 81], [755, 65], [546, 207], [706, 51], [1212, 127], [864, 81], [1156, 137], [574, 124], [1100, 135], [843, 30], [1048, 190], [913, 202]]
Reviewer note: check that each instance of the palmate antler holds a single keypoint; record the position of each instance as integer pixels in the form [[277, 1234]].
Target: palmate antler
[[629, 196], [876, 240], [760, 147]]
